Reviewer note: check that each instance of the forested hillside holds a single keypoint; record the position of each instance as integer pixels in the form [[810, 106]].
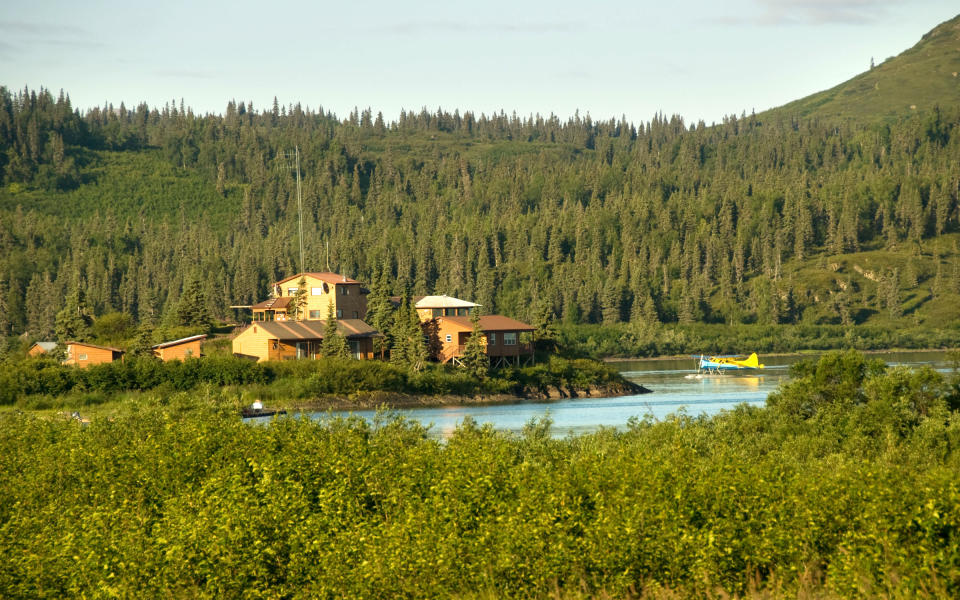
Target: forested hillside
[[772, 218]]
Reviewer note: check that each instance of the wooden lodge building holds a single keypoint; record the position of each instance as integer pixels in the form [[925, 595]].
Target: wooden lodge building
[[288, 340], [348, 296], [277, 334], [446, 322], [502, 338]]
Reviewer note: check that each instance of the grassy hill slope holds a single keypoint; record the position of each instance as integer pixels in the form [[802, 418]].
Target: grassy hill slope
[[926, 75]]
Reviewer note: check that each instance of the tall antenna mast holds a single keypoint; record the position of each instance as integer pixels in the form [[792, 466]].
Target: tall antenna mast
[[299, 206], [283, 163]]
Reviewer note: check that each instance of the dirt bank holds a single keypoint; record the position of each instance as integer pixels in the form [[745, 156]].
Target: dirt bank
[[393, 400]]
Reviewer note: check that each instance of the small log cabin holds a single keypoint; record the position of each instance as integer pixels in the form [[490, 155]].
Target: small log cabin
[[84, 355], [502, 337], [188, 347], [290, 340]]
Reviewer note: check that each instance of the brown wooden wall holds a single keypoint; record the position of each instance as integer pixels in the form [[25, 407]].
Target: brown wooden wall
[[180, 351], [255, 341], [94, 356]]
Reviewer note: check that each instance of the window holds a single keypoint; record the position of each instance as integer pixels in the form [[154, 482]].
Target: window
[[356, 315], [344, 290], [437, 312], [316, 291], [449, 312], [291, 291], [449, 338], [462, 312], [268, 315], [314, 315], [339, 314], [258, 316], [82, 357], [491, 339], [510, 338]]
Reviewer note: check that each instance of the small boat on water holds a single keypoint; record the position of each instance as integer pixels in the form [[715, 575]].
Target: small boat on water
[[257, 410], [735, 362]]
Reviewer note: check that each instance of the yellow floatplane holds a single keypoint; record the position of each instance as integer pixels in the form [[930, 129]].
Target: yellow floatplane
[[717, 364]]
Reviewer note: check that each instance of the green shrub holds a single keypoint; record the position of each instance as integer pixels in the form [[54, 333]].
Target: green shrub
[[186, 500]]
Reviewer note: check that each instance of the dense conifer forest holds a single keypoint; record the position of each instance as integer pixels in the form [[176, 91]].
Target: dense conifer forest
[[770, 218]]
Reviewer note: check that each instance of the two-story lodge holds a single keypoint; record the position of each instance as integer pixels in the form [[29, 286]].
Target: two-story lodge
[[277, 334]]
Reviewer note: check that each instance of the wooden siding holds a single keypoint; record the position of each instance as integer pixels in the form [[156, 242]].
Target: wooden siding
[[444, 351], [347, 297], [83, 355], [255, 341], [180, 351], [425, 314]]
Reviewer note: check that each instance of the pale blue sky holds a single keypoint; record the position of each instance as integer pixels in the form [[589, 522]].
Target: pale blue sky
[[701, 59]]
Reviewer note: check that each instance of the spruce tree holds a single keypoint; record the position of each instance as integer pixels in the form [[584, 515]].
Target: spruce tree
[[192, 308], [334, 344], [72, 322], [545, 330], [380, 316], [417, 353], [475, 359], [407, 344], [143, 342], [891, 293], [299, 301], [4, 317]]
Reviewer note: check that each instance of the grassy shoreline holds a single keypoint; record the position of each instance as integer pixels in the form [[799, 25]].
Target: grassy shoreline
[[44, 384]]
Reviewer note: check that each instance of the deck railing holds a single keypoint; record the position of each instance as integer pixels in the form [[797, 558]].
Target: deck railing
[[521, 349]]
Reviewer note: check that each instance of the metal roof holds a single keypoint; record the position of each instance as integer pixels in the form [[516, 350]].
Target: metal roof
[[489, 323], [273, 303], [94, 346], [47, 346], [185, 340], [313, 330], [327, 277], [444, 302]]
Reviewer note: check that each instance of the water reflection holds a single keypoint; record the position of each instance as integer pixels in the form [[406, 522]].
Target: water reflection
[[675, 386]]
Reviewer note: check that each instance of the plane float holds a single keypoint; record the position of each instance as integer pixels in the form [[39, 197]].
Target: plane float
[[718, 364]]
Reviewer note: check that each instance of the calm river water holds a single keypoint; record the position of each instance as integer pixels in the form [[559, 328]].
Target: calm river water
[[674, 385]]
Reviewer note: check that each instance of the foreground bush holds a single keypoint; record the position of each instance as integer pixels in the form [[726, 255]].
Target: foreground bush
[[850, 494]]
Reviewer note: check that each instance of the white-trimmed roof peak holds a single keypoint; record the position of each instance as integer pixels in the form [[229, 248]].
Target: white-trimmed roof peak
[[444, 302]]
